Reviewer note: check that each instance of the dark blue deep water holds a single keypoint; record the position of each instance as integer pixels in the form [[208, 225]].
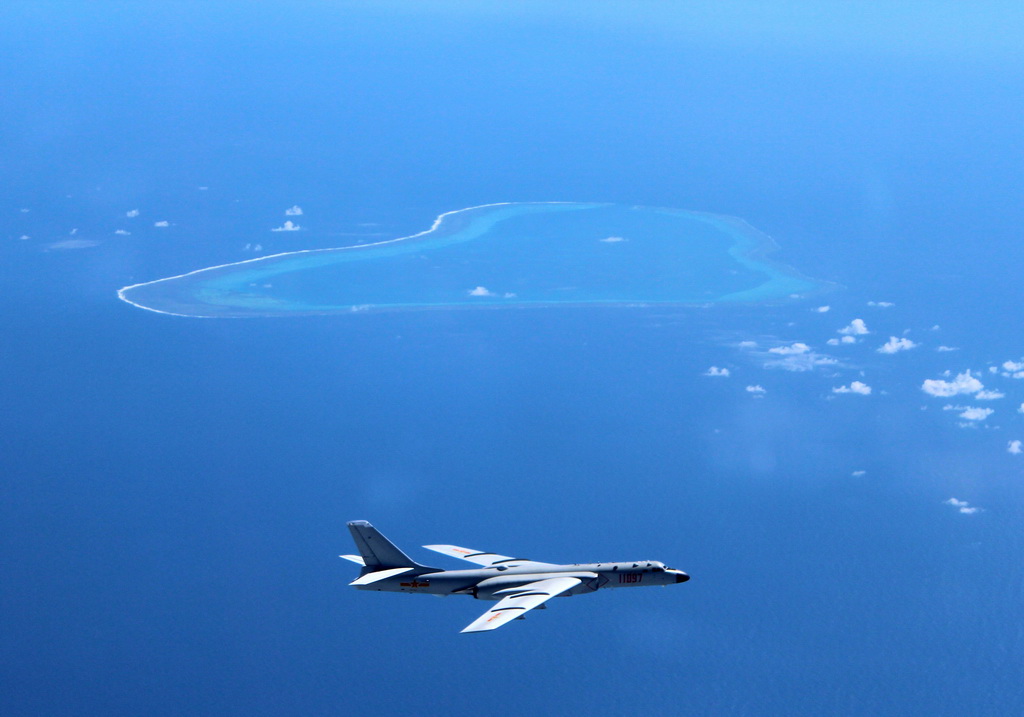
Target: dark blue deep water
[[174, 491]]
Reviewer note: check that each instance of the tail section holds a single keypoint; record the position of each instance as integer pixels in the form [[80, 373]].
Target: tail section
[[379, 553]]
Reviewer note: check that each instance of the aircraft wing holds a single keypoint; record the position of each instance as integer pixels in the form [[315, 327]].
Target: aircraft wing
[[478, 556], [520, 600]]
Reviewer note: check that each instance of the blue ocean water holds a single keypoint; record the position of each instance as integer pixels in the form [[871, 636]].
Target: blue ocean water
[[175, 490]]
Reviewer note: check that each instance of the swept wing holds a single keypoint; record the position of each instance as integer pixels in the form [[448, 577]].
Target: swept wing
[[479, 557], [519, 600]]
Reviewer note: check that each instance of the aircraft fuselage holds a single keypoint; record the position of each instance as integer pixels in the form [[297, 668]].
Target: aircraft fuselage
[[486, 583]]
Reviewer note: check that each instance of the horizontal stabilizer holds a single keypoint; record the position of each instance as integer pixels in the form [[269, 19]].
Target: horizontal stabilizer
[[378, 575], [354, 558]]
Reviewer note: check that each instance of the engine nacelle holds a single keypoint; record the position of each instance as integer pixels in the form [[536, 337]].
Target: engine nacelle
[[500, 585]]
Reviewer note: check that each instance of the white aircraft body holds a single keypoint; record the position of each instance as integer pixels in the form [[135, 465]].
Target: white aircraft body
[[516, 584]]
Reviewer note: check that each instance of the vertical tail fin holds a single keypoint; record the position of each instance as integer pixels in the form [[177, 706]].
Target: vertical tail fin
[[378, 552]]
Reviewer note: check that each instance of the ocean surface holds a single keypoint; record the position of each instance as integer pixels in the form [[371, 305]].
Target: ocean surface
[[835, 470]]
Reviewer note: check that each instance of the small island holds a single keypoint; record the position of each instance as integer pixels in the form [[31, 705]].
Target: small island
[[499, 255]]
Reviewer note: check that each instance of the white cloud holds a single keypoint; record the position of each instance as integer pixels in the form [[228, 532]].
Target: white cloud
[[1013, 369], [747, 344], [858, 474], [832, 342], [855, 387], [1021, 409], [881, 304], [971, 413], [613, 240], [73, 244], [793, 349], [962, 506], [288, 226], [894, 344], [73, 231], [25, 210], [715, 371], [942, 349], [24, 237], [857, 327], [848, 340], [756, 389], [122, 232], [293, 211], [823, 309], [481, 291], [132, 213], [989, 395], [796, 357], [963, 383], [1014, 447], [162, 223]]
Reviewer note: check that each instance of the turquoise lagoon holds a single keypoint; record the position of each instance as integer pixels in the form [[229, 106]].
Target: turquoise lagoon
[[500, 255]]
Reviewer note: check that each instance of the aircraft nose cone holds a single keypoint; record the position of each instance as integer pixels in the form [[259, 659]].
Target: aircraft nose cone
[[682, 577]]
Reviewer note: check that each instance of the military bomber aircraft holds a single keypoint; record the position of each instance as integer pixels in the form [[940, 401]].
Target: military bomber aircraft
[[516, 584]]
